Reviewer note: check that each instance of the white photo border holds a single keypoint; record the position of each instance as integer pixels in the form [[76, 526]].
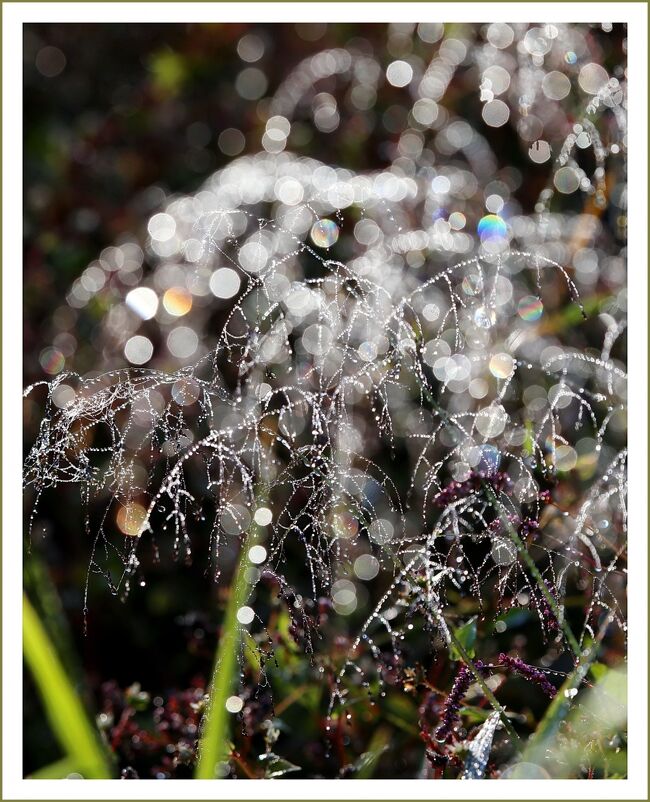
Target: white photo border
[[14, 786]]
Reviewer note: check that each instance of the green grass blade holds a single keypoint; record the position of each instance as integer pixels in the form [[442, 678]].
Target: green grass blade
[[58, 770], [214, 742], [557, 712], [47, 604], [65, 712], [369, 760]]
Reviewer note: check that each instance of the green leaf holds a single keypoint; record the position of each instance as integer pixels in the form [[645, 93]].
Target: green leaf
[[598, 671], [214, 745], [479, 749], [277, 766], [529, 439], [467, 637], [59, 770], [592, 722], [169, 71], [364, 767], [547, 730], [71, 725]]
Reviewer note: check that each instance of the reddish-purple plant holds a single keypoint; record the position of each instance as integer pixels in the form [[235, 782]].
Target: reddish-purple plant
[[535, 675], [451, 709]]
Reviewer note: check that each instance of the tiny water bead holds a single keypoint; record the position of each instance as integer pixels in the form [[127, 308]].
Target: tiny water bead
[[182, 342], [143, 301], [502, 366], [257, 554], [399, 73], [491, 420], [52, 361], [503, 551], [234, 704], [495, 113], [484, 317], [566, 180], [472, 284], [130, 518], [224, 283], [530, 308], [177, 301], [492, 227], [253, 256], [138, 350], [263, 516], [324, 233], [245, 615], [366, 566], [556, 85], [539, 151]]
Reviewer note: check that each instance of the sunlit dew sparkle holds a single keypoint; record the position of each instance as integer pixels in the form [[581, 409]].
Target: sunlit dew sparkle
[[492, 227], [530, 308], [501, 366], [257, 554], [324, 233], [143, 301], [138, 349], [484, 317], [52, 360], [130, 518], [245, 615], [234, 704], [263, 516], [182, 342], [472, 284], [224, 283], [177, 301]]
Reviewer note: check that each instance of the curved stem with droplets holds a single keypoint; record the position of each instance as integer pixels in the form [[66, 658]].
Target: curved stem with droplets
[[534, 572]]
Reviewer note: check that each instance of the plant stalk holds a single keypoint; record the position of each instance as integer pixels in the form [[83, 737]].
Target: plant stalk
[[214, 745]]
